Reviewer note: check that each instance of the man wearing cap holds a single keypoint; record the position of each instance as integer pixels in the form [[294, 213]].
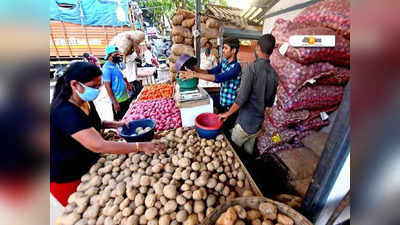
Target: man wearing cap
[[115, 83]]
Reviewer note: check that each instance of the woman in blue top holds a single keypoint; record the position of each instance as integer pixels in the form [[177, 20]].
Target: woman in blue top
[[228, 73], [75, 139]]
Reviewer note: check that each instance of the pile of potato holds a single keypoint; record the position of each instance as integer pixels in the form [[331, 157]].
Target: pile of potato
[[265, 214], [180, 186], [184, 23]]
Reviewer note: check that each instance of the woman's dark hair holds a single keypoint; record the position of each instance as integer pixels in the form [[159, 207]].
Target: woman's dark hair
[[267, 43], [233, 43], [79, 71]]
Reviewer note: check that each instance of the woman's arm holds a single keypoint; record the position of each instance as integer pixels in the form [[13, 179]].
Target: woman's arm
[[113, 124], [93, 141]]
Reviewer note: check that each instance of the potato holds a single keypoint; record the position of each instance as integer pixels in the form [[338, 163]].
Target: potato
[[164, 220], [201, 181], [226, 191], [69, 219], [247, 193], [139, 210], [188, 207], [267, 222], [284, 220], [181, 216], [253, 215], [240, 184], [199, 206], [232, 182], [268, 210], [170, 206], [100, 220], [184, 162], [127, 212], [132, 220], [180, 199], [131, 193], [240, 222], [150, 200], [240, 211], [211, 200], [151, 213], [177, 174], [124, 204], [170, 191], [219, 187], [256, 222], [191, 220], [227, 218], [108, 221], [139, 199], [143, 220]]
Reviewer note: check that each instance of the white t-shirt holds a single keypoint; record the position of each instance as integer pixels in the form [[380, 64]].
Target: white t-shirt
[[148, 56], [131, 67], [207, 62]]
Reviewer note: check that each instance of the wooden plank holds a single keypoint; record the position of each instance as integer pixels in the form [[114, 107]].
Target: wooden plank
[[105, 31], [66, 39]]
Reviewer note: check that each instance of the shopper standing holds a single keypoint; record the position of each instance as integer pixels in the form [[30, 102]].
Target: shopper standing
[[257, 91], [115, 83]]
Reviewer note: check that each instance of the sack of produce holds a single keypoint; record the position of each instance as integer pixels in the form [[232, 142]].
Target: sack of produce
[[177, 19], [188, 23], [185, 13], [214, 51], [187, 33], [311, 124], [293, 75], [334, 14], [282, 119], [204, 19], [177, 39], [172, 58], [172, 68], [180, 49], [177, 30], [337, 79], [214, 42], [311, 97], [338, 55], [203, 41], [127, 40], [188, 41], [212, 23], [207, 32]]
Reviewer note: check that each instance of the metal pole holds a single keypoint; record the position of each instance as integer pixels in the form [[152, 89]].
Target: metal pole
[[198, 21]]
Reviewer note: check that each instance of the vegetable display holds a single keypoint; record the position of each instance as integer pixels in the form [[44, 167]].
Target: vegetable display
[[181, 186], [163, 111], [156, 91]]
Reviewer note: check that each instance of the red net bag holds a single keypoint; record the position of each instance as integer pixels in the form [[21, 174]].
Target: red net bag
[[338, 55], [311, 97], [293, 75], [334, 14], [280, 118]]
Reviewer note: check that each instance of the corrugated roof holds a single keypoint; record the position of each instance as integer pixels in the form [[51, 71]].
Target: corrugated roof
[[253, 16]]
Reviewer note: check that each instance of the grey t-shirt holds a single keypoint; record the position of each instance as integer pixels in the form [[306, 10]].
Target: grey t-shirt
[[256, 92]]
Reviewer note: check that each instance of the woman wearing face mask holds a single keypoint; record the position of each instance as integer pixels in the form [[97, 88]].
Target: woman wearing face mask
[[75, 139]]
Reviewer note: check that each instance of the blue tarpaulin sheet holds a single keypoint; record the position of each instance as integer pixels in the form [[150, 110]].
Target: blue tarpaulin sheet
[[90, 12]]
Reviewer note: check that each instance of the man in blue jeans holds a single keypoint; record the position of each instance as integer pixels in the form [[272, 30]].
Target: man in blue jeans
[[115, 83]]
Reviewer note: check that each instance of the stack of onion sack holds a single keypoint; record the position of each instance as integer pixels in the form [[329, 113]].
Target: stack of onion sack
[[163, 111], [184, 23], [312, 79]]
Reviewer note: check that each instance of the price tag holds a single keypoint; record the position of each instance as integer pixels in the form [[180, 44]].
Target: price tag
[[283, 48], [324, 115], [276, 138]]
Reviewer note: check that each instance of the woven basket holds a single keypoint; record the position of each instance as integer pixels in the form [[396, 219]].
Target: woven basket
[[253, 202]]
